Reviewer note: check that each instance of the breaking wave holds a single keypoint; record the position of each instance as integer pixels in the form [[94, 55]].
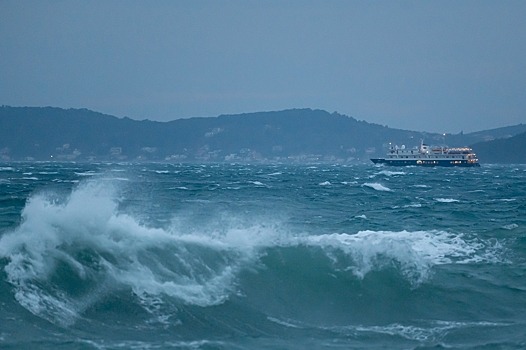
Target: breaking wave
[[70, 253]]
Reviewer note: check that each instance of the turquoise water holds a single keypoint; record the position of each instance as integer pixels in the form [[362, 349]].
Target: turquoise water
[[164, 256]]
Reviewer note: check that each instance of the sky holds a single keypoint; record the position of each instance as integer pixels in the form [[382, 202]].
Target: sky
[[436, 66]]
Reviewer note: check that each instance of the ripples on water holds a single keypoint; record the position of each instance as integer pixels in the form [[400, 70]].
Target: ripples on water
[[261, 256]]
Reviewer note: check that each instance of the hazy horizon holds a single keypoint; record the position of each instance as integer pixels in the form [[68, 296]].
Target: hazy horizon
[[444, 66]]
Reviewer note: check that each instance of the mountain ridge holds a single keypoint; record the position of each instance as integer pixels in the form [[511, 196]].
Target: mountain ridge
[[511, 150], [297, 135]]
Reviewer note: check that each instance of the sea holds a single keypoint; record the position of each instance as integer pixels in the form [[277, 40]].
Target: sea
[[261, 256]]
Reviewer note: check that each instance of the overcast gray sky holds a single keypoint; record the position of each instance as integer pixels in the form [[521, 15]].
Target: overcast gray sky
[[441, 66]]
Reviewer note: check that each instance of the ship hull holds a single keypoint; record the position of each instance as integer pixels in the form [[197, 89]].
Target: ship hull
[[424, 162]]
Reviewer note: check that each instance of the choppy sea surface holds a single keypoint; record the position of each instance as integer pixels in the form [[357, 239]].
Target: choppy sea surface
[[170, 256]]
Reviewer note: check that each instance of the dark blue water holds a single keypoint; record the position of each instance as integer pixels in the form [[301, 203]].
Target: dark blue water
[[163, 256]]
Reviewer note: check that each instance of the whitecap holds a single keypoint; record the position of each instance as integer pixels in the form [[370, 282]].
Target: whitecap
[[349, 182], [65, 181], [118, 179], [106, 249], [446, 200], [415, 252], [197, 201], [86, 173], [510, 226], [325, 183], [413, 205], [391, 173], [377, 186]]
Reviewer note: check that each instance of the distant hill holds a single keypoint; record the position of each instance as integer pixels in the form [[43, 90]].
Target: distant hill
[[511, 150], [296, 135], [486, 135]]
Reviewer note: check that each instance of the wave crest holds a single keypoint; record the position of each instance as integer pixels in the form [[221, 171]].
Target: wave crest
[[414, 253], [65, 256], [68, 254]]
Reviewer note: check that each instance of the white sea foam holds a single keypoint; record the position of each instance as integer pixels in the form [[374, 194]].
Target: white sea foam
[[408, 332], [415, 252], [325, 183], [349, 182], [122, 254], [413, 205], [510, 226], [377, 186], [432, 332], [446, 200], [65, 181], [118, 179], [286, 323], [391, 173], [105, 248]]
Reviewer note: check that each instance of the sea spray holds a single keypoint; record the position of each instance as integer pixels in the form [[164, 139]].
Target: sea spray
[[98, 245], [414, 252]]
